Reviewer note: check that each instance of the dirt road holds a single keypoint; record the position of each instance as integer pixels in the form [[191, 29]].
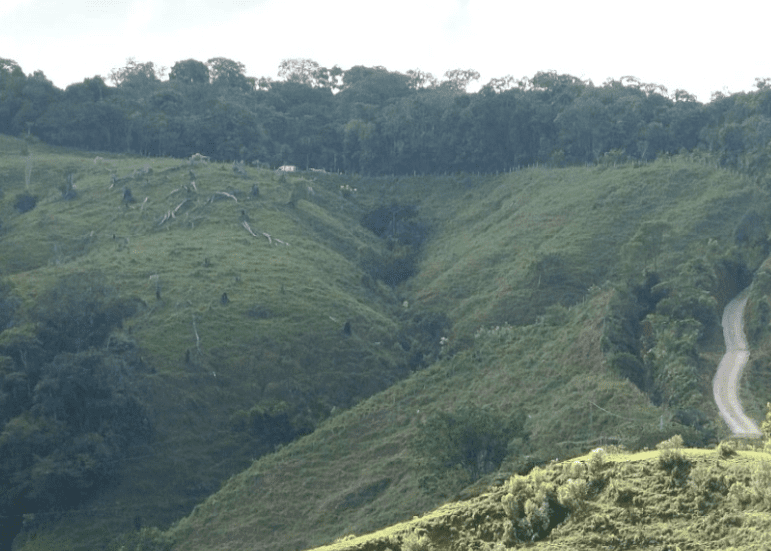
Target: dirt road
[[725, 386]]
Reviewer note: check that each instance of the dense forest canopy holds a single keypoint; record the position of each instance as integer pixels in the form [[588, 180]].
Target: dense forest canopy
[[375, 121]]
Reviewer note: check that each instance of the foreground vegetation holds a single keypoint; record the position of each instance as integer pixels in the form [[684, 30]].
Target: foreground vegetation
[[377, 345], [673, 498]]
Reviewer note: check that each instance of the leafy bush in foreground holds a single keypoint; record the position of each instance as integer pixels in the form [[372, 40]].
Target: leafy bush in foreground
[[673, 461], [533, 506]]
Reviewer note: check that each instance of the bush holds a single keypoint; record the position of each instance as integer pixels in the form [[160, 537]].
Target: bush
[[765, 427], [472, 438], [673, 461], [572, 495], [533, 507], [417, 542], [673, 443], [725, 450], [404, 236], [597, 461], [25, 202], [270, 424], [710, 486], [9, 304], [761, 484]]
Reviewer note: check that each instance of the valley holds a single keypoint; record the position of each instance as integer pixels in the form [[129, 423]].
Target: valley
[[334, 354]]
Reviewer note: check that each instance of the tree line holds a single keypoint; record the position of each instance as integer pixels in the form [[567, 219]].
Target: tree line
[[374, 121]]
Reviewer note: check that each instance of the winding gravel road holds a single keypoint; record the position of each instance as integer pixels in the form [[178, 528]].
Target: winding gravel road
[[725, 386]]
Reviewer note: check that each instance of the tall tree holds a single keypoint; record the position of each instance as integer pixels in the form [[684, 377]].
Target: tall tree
[[12, 81], [309, 73], [190, 71], [230, 74], [135, 75], [38, 94], [459, 79], [83, 116], [420, 79]]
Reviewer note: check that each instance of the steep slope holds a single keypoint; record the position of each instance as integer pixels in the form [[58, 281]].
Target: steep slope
[[521, 264], [360, 471], [255, 315], [261, 311], [670, 499]]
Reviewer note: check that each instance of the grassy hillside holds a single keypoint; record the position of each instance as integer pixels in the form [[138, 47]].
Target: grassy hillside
[[527, 330], [668, 499], [216, 371], [510, 265]]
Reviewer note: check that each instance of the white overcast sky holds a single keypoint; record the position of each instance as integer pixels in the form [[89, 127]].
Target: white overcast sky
[[698, 46]]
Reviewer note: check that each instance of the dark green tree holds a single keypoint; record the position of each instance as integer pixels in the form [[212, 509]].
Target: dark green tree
[[12, 81], [459, 79], [69, 411], [82, 117], [189, 71], [472, 439], [38, 94], [227, 73], [309, 73], [140, 76], [420, 79]]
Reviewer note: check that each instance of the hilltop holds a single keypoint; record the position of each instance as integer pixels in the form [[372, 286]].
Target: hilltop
[[377, 345], [668, 499]]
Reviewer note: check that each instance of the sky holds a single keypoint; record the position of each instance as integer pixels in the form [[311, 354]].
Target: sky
[[701, 47]]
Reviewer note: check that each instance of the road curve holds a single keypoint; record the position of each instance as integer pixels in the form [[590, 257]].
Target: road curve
[[725, 386]]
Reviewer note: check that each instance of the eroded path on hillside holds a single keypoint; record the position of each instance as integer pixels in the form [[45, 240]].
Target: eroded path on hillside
[[725, 386]]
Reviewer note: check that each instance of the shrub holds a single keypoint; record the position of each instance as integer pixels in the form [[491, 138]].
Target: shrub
[[673, 461], [673, 443], [417, 542], [8, 306], [597, 461], [576, 469], [761, 484], [573, 495], [472, 438], [25, 202], [533, 507], [270, 424], [725, 450], [765, 427], [710, 486]]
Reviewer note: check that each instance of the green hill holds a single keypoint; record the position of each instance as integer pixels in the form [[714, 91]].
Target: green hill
[[223, 379], [428, 336], [668, 499]]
